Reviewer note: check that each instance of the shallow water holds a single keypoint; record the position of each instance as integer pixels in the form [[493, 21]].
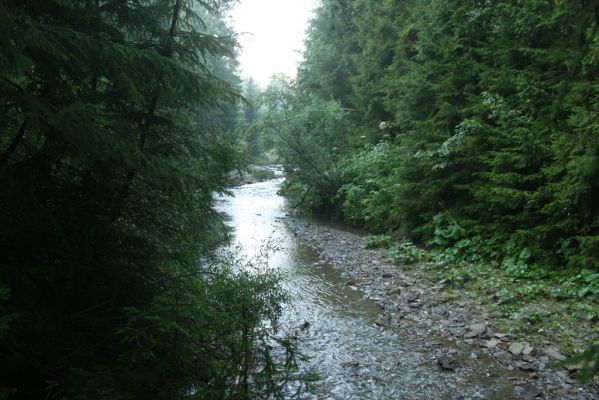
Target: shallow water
[[354, 358]]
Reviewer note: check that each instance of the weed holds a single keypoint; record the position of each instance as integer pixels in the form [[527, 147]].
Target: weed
[[376, 241]]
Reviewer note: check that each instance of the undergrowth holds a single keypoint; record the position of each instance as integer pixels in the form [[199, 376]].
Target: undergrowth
[[525, 299]]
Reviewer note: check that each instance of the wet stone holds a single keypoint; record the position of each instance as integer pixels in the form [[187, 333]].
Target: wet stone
[[447, 362], [565, 375], [528, 350], [350, 364], [516, 348], [412, 296], [553, 353], [491, 343], [393, 291], [527, 367], [529, 392], [475, 330]]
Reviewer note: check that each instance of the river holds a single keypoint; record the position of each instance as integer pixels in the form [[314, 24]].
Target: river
[[355, 358]]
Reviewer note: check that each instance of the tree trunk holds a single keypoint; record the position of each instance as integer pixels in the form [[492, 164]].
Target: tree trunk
[[145, 127]]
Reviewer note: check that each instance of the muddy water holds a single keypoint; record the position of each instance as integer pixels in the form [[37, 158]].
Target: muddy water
[[354, 358]]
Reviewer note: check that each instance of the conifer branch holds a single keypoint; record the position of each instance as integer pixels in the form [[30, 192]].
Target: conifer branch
[[13, 144], [145, 128]]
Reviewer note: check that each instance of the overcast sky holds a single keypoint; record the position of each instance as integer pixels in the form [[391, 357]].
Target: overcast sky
[[272, 35]]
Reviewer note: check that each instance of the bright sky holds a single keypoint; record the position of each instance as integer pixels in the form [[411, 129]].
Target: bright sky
[[272, 35]]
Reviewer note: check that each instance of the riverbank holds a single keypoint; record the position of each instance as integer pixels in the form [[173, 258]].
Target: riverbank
[[458, 327]]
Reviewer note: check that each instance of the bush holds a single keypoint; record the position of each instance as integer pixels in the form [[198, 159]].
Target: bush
[[374, 241], [370, 190]]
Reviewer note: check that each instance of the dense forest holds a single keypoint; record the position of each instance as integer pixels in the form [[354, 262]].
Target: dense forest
[[468, 122], [468, 131], [115, 134], [469, 128]]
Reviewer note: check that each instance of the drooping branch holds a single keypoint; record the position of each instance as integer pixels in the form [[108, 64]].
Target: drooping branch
[[302, 200]]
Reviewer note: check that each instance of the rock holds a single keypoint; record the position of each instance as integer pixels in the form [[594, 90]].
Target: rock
[[503, 357], [447, 362], [528, 350], [516, 348], [529, 392], [528, 358], [412, 296], [350, 364], [475, 330], [393, 291], [553, 353], [565, 375], [527, 367], [575, 367], [490, 343]]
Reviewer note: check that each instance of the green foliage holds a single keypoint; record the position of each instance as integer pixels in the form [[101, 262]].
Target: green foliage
[[590, 362], [406, 253], [311, 137], [368, 197], [487, 123], [447, 231], [376, 241]]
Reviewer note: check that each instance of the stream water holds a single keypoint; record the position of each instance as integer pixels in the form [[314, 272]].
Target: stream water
[[354, 358]]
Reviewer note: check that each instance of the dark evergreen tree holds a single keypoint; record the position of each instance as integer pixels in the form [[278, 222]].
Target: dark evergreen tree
[[108, 166]]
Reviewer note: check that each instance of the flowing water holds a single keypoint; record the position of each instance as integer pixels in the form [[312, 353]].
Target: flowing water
[[354, 358]]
